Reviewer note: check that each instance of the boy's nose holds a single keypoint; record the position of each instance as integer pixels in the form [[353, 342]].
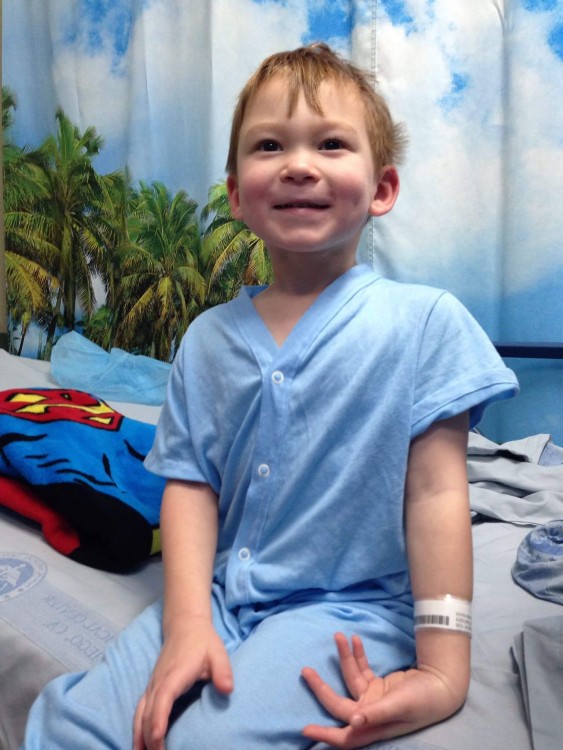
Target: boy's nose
[[300, 165]]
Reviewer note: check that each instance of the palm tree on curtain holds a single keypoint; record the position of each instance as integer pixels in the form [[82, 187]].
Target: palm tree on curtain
[[76, 196], [28, 283], [162, 287], [8, 105], [101, 326], [28, 251], [231, 253]]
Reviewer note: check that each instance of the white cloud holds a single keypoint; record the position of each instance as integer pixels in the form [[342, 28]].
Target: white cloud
[[450, 213], [89, 92]]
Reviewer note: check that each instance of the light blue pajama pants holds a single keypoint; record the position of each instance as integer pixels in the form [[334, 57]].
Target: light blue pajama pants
[[270, 704]]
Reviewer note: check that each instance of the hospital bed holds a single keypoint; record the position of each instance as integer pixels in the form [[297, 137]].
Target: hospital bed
[[58, 614]]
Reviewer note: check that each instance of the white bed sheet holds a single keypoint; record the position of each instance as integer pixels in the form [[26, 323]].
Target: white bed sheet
[[58, 617], [61, 614]]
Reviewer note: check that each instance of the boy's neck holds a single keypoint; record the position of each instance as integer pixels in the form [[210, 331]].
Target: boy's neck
[[303, 275], [293, 291]]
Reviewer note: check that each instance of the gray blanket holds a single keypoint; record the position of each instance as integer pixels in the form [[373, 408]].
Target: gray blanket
[[538, 654], [507, 482]]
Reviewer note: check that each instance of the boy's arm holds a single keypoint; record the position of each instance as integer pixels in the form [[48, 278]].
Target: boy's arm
[[191, 648], [439, 544], [438, 529]]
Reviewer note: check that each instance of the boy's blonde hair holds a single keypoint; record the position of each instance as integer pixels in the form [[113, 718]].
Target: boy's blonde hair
[[305, 69]]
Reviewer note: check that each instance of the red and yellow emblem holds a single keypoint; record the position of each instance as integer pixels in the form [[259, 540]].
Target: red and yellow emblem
[[54, 404]]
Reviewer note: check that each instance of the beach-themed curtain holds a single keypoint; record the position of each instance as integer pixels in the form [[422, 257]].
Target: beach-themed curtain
[[116, 117]]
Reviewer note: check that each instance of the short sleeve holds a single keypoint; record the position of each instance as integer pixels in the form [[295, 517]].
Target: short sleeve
[[458, 367], [173, 454]]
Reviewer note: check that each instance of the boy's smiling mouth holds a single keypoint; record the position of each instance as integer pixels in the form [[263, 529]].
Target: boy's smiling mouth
[[301, 204]]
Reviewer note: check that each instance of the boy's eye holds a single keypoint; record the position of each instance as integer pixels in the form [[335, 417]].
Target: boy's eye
[[268, 145], [331, 144]]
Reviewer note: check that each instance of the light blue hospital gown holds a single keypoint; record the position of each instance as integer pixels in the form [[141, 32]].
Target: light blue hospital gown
[[306, 445]]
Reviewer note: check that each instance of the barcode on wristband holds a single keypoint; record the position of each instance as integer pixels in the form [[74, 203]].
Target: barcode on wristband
[[448, 613], [432, 620]]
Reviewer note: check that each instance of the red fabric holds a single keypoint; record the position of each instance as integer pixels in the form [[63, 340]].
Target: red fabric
[[20, 498]]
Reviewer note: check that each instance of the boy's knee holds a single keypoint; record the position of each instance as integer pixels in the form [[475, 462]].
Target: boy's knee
[[214, 720]]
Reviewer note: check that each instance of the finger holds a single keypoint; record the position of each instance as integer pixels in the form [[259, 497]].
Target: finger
[[333, 736], [349, 737], [221, 672], [138, 743], [154, 726], [361, 658], [353, 677], [157, 709], [344, 738], [339, 707]]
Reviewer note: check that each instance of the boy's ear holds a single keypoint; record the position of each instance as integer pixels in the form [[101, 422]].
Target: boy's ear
[[386, 192], [234, 198]]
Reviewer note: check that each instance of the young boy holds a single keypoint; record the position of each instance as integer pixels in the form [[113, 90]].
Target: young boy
[[314, 440]]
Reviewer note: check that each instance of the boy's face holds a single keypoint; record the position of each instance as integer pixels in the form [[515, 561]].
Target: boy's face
[[307, 183]]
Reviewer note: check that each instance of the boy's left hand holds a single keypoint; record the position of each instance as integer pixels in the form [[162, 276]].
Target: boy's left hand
[[380, 708]]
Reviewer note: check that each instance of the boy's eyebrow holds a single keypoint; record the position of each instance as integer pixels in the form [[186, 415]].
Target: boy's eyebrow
[[275, 125]]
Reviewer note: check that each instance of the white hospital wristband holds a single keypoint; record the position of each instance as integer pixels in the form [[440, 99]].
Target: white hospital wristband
[[446, 613]]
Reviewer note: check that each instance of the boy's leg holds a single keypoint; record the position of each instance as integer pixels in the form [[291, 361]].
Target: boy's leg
[[95, 709], [270, 703], [269, 706]]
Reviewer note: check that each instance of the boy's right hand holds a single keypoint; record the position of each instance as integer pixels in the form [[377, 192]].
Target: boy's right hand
[[192, 651]]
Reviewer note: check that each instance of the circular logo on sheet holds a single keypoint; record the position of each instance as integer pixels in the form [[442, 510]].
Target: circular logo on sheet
[[19, 573]]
